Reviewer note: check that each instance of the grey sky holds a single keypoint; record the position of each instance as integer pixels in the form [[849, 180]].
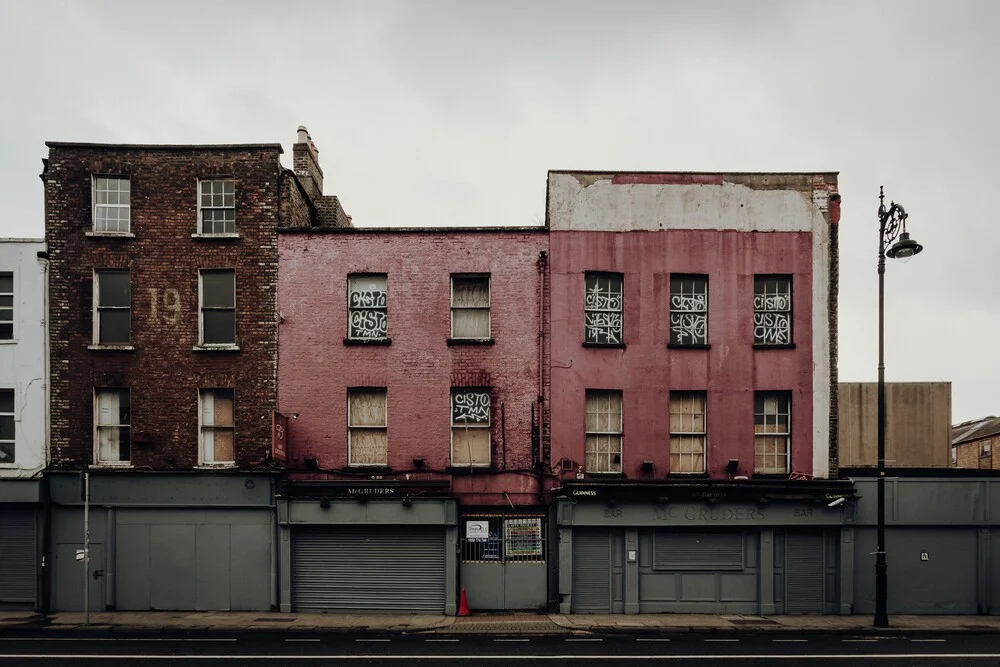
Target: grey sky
[[445, 113]]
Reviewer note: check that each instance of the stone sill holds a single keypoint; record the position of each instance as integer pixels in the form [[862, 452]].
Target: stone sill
[[110, 235], [374, 342], [209, 237], [216, 348], [111, 348], [470, 341]]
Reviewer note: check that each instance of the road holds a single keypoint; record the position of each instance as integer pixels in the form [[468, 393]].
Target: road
[[435, 650]]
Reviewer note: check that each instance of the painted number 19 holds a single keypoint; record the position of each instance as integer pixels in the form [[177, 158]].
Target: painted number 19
[[171, 305]]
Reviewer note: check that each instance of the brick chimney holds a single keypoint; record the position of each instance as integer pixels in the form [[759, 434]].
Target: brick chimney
[[305, 158]]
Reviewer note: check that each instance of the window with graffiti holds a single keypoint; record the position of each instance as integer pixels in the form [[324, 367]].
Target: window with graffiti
[[602, 309], [688, 309], [367, 302], [772, 310]]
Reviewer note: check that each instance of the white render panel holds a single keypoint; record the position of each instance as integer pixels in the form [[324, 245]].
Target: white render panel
[[592, 203], [821, 345], [22, 360]]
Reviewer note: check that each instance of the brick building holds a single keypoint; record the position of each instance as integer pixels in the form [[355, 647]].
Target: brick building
[[693, 418], [972, 444], [415, 373], [163, 331]]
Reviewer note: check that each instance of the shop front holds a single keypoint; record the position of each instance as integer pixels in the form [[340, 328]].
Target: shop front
[[21, 519]]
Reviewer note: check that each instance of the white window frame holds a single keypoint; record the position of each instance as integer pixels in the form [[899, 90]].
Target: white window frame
[[98, 308], [212, 183], [367, 310], [688, 310], [96, 188], [98, 425], [466, 426], [12, 415], [681, 437], [599, 306], [773, 437], [202, 309], [488, 308], [206, 431], [986, 448], [357, 427], [9, 309], [768, 305], [608, 436]]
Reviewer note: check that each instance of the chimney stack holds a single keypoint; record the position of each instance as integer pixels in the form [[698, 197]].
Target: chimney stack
[[305, 158]]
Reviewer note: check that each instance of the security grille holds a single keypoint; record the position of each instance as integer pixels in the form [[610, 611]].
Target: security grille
[[503, 538]]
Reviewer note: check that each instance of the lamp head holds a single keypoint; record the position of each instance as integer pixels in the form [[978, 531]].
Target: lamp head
[[904, 249]]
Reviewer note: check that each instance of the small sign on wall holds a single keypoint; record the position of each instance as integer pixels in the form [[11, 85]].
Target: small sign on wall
[[477, 531]]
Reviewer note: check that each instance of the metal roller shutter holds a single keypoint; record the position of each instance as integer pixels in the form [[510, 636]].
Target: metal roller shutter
[[369, 568], [804, 578], [17, 543], [592, 571]]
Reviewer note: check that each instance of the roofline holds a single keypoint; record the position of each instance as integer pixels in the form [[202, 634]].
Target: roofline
[[165, 147], [695, 173], [411, 230]]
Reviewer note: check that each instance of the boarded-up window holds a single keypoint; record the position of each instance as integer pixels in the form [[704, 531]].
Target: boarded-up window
[[470, 306], [218, 307], [367, 432], [217, 426], [113, 425], [6, 305], [470, 427], [367, 304], [674, 550], [602, 309], [604, 431], [687, 431], [114, 307], [7, 438], [772, 431]]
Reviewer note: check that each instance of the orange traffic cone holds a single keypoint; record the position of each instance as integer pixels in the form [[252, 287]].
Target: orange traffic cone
[[463, 606]]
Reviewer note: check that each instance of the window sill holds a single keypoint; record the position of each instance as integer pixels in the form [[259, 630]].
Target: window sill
[[111, 348], [605, 475], [216, 348], [123, 465], [110, 235], [471, 470], [771, 475], [9, 466], [684, 346], [377, 469], [470, 341], [688, 475], [8, 341], [375, 342], [209, 237], [783, 346], [215, 466], [616, 346]]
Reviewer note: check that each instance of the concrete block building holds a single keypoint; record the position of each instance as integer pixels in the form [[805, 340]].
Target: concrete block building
[[23, 380]]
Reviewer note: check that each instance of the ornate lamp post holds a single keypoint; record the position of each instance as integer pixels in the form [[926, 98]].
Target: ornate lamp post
[[892, 225]]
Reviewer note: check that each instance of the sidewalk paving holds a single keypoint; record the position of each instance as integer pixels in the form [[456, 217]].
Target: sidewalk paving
[[481, 623]]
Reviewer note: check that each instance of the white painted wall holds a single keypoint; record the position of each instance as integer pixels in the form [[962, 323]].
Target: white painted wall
[[591, 202], [23, 359]]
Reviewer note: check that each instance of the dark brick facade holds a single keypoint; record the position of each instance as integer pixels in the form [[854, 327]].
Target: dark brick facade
[[164, 370]]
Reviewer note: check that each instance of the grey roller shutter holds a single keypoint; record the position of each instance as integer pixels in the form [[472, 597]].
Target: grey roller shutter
[[592, 571], [369, 568], [804, 577], [19, 561], [703, 550]]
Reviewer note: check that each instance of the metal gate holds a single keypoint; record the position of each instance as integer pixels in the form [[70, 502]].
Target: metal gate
[[369, 568], [804, 573], [592, 571], [18, 541], [504, 561]]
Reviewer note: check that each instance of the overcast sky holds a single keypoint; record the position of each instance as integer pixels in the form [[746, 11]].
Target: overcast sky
[[450, 113]]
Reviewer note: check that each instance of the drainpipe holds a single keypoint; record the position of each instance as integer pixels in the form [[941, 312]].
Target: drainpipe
[[543, 260], [47, 561]]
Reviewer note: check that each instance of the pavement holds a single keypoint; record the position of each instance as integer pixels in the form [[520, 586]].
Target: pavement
[[12, 622]]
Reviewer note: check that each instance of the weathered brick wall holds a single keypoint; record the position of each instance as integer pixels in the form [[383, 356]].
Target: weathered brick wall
[[295, 209], [163, 371], [419, 368]]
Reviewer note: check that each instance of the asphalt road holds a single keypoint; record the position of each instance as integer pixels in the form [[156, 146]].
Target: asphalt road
[[435, 650]]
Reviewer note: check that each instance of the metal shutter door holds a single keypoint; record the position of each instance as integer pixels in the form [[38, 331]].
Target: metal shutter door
[[592, 571], [17, 543], [804, 573], [369, 568]]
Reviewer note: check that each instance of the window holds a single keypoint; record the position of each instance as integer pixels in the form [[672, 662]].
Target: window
[[218, 307], [6, 305], [368, 307], [6, 426], [602, 309], [688, 310], [772, 431], [112, 208], [217, 207], [954, 456], [604, 431], [470, 307], [113, 426], [216, 426], [772, 310], [367, 433], [985, 448], [687, 431], [113, 302], [470, 427]]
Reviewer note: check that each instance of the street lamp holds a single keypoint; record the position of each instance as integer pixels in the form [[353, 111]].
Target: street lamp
[[892, 225]]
